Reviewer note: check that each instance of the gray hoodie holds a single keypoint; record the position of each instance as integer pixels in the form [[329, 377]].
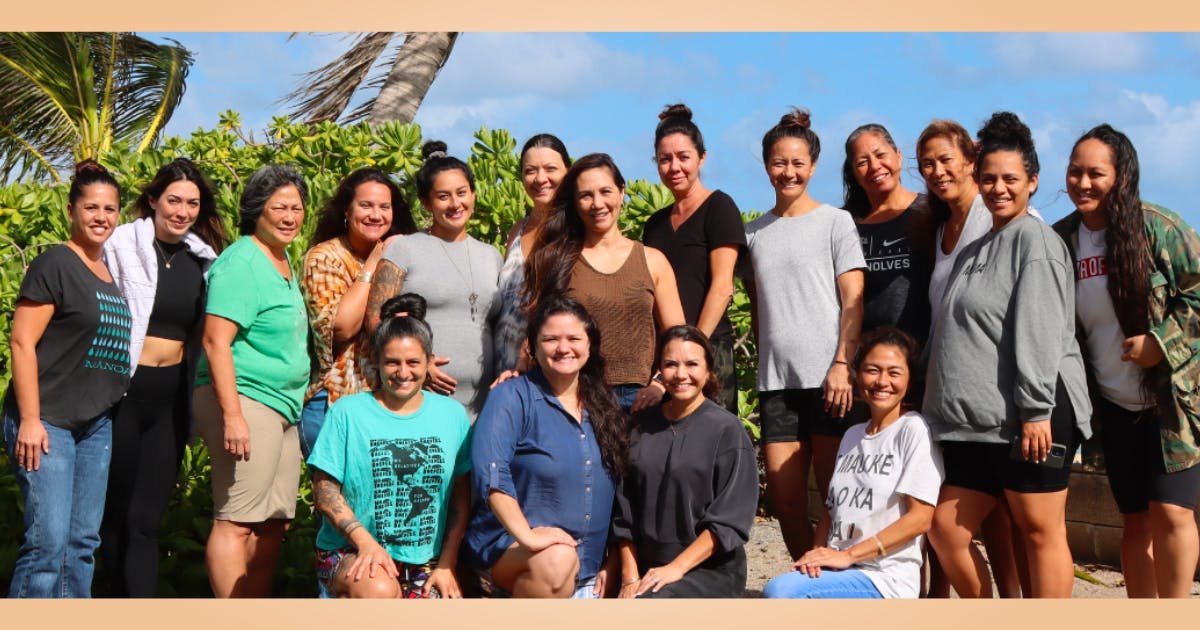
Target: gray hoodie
[[1004, 336]]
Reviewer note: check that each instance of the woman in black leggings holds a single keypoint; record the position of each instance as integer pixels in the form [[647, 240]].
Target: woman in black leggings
[[158, 262]]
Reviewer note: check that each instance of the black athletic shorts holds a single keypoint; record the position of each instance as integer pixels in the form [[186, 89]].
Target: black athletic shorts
[[795, 415], [986, 466], [1133, 459]]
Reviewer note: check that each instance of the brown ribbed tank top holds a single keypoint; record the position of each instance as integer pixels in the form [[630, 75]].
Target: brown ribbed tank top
[[622, 303]]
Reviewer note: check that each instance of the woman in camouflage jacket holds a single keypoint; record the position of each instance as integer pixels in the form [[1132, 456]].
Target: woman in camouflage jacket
[[1137, 270]]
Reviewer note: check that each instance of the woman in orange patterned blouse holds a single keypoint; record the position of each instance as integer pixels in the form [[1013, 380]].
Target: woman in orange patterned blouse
[[352, 230]]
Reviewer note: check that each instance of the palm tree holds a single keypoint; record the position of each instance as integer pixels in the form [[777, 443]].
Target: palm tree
[[65, 97], [326, 92]]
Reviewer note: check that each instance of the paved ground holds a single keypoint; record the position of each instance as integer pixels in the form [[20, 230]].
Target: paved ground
[[767, 557]]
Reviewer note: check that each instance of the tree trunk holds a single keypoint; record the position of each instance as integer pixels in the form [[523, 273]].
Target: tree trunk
[[417, 64]]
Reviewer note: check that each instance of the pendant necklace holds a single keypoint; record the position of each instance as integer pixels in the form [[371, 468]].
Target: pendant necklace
[[166, 260], [468, 278]]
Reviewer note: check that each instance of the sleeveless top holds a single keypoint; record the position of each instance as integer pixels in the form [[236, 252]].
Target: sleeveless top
[[622, 303], [508, 332]]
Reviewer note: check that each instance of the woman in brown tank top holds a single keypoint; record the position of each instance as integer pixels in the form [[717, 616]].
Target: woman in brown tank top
[[627, 287]]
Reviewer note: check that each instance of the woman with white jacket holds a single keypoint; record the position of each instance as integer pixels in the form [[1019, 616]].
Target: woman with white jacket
[[159, 262]]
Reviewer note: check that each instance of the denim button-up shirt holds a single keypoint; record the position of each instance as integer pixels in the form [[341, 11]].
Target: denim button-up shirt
[[527, 446]]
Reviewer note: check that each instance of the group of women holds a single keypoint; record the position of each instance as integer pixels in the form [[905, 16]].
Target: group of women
[[468, 423]]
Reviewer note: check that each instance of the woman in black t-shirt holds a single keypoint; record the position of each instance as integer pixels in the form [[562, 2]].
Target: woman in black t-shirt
[[701, 235], [70, 364], [896, 229], [158, 262]]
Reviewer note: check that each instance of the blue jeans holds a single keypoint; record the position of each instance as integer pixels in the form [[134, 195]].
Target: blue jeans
[[312, 416], [64, 502], [846, 584]]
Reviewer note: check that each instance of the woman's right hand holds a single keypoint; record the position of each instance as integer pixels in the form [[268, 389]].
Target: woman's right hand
[[32, 442], [542, 537], [839, 392], [630, 590], [237, 437], [372, 261], [504, 376]]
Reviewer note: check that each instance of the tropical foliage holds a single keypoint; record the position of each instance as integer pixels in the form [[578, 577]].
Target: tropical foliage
[[69, 96], [32, 216]]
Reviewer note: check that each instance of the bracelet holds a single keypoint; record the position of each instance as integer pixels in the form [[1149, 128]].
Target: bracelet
[[879, 545], [632, 581], [658, 378], [365, 276], [836, 361]]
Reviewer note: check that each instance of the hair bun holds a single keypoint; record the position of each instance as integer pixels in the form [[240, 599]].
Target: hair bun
[[1006, 127], [796, 118], [411, 303], [433, 149], [678, 110], [90, 166]]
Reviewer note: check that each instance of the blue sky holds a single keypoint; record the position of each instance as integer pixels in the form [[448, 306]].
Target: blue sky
[[603, 92]]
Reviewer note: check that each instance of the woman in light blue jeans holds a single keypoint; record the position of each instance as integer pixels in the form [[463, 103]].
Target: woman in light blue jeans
[[70, 364]]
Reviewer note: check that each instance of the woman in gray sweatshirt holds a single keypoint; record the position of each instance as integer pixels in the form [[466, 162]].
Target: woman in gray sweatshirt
[[1007, 397]]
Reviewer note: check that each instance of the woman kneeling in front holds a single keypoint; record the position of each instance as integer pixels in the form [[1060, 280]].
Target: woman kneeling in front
[[883, 491]]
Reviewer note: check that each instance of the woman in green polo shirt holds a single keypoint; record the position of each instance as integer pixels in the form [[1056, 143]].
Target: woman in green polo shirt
[[250, 386]]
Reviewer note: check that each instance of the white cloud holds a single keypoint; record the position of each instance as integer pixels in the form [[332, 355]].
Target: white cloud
[[1062, 53], [546, 64]]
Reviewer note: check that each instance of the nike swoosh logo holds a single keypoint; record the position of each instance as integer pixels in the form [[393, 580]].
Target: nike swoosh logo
[[887, 243]]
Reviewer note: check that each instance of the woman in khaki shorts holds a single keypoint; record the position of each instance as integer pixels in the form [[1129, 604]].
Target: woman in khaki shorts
[[251, 385]]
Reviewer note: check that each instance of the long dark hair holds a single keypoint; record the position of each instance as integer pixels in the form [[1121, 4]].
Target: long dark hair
[[209, 226], [957, 135], [854, 196], [557, 247], [332, 222], [609, 422], [685, 332], [1125, 238]]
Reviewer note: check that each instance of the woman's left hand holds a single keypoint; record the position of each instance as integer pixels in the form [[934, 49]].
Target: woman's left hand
[[648, 396], [442, 578], [438, 381], [814, 559], [658, 577], [1142, 350]]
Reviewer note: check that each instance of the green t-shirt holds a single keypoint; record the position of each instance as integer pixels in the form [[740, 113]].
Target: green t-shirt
[[396, 471], [270, 350]]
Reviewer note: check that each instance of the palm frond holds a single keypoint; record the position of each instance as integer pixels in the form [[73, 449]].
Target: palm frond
[[42, 93], [325, 93], [151, 80]]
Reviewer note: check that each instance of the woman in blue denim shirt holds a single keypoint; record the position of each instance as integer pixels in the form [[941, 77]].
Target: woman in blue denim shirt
[[547, 450]]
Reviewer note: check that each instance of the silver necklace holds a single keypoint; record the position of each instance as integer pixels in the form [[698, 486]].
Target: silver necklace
[[164, 254], [468, 278]]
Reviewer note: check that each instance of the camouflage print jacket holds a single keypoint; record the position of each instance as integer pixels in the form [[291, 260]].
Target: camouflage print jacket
[[1174, 250]]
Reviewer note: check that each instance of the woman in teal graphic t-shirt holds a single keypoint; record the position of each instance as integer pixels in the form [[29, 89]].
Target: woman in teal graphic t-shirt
[[390, 474]]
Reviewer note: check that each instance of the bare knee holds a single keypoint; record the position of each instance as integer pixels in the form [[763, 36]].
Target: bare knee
[[555, 567], [382, 586], [1170, 517]]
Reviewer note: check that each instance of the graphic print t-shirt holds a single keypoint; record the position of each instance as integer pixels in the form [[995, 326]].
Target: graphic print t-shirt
[[872, 477], [899, 265], [396, 471], [1119, 381], [83, 356]]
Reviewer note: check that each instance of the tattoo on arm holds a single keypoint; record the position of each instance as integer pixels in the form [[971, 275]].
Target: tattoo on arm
[[327, 496], [387, 283]]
